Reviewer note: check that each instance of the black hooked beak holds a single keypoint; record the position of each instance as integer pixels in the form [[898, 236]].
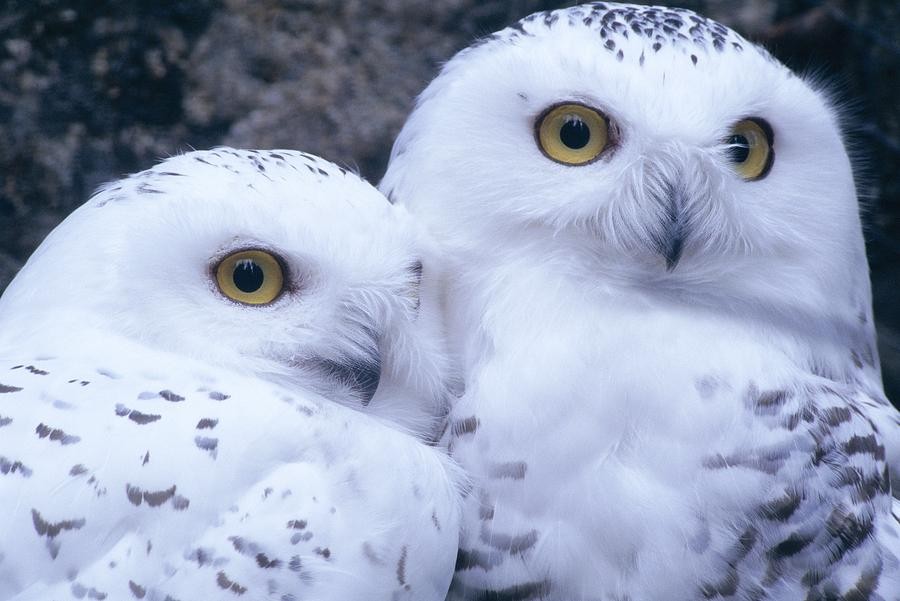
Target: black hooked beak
[[360, 374], [357, 369], [673, 227]]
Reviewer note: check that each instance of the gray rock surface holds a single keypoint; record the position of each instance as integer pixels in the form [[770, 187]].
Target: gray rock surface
[[93, 89]]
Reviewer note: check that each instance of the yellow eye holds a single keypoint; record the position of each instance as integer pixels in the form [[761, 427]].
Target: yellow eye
[[252, 277], [572, 134], [749, 149]]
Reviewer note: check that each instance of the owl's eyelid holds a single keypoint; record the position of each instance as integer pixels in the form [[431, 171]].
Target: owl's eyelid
[[247, 246], [762, 122], [590, 103], [242, 244]]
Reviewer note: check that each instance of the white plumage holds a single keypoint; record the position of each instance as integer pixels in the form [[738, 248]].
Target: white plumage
[[159, 440], [660, 298]]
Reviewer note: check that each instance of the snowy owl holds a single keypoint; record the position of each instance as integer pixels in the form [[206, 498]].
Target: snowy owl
[[174, 364], [661, 303]]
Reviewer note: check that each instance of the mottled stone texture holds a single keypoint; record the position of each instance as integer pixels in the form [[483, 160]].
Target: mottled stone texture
[[93, 89]]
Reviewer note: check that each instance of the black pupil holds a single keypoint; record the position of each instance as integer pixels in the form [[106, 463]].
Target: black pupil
[[739, 148], [575, 133], [248, 276]]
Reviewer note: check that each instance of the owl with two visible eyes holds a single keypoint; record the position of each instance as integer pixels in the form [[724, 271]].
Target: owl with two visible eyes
[[221, 378], [660, 299]]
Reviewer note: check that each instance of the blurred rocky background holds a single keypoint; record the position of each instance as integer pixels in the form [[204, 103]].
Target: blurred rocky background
[[94, 89]]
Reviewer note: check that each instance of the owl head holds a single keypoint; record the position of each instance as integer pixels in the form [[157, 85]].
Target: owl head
[[273, 263], [640, 148]]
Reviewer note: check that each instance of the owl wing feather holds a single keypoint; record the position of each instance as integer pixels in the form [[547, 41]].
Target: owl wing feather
[[826, 525], [161, 479]]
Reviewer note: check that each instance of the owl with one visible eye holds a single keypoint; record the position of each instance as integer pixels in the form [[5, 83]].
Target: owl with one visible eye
[[221, 378], [661, 302]]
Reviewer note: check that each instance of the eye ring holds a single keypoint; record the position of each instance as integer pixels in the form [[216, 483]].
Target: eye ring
[[250, 277], [572, 134], [750, 148]]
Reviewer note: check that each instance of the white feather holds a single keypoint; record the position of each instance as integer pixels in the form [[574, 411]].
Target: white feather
[[160, 441], [614, 408]]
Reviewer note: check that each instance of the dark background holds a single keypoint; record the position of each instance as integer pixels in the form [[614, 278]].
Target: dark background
[[93, 90]]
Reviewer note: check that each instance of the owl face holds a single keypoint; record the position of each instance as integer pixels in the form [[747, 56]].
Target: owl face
[[275, 263], [646, 144]]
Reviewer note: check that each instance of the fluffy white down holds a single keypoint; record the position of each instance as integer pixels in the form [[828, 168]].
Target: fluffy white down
[[636, 431], [160, 441]]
